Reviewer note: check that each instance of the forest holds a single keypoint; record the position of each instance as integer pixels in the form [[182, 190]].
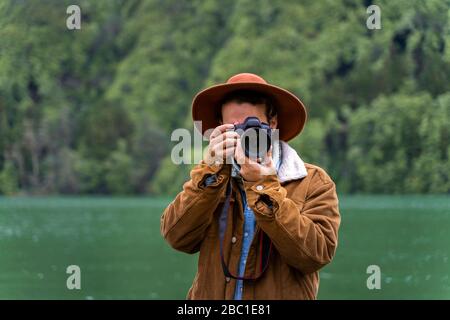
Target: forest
[[91, 111]]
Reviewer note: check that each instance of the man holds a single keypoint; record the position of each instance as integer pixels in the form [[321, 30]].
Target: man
[[263, 228]]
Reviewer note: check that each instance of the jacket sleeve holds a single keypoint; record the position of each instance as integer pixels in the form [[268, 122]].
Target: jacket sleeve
[[305, 234], [185, 220]]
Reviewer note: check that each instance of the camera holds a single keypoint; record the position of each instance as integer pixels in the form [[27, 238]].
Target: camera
[[256, 137]]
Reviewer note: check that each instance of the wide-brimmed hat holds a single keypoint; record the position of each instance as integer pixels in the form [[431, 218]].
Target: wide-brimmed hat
[[291, 112]]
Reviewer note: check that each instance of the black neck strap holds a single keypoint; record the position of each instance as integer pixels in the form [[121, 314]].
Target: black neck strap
[[265, 242]]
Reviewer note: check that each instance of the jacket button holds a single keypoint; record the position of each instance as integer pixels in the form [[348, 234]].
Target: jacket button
[[227, 279], [233, 240], [259, 187]]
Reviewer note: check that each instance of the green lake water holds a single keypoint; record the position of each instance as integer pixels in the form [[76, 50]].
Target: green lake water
[[117, 244]]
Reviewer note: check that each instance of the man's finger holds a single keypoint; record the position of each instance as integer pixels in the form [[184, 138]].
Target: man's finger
[[239, 154], [223, 136], [229, 152], [230, 142], [268, 159], [220, 129], [223, 146]]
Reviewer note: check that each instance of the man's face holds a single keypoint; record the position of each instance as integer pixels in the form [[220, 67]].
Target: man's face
[[234, 113]]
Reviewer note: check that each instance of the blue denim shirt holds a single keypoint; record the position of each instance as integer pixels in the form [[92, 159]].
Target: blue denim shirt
[[249, 232]]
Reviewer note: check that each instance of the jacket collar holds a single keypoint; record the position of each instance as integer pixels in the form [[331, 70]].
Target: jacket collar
[[292, 166]]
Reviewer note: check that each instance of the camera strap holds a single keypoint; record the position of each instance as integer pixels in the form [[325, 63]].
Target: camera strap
[[265, 244]]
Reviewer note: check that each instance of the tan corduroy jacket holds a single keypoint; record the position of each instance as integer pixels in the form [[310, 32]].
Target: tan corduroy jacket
[[297, 209]]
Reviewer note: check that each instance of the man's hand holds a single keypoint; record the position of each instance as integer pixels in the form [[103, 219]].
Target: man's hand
[[254, 170], [222, 144]]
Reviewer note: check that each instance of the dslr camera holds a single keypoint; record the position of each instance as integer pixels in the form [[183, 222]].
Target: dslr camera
[[256, 137]]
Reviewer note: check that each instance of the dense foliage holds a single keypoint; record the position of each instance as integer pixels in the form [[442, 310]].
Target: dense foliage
[[91, 110]]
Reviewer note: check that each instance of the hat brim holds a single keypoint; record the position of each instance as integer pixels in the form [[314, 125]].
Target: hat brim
[[291, 113]]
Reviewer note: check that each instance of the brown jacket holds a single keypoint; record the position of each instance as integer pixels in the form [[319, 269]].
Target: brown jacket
[[302, 223]]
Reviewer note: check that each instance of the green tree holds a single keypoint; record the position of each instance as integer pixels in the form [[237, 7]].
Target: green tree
[[400, 144], [75, 104]]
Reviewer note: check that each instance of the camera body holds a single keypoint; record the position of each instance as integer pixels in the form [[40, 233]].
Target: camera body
[[256, 137]]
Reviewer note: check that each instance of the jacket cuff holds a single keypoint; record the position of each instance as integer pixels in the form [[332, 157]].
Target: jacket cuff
[[203, 171], [264, 196]]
